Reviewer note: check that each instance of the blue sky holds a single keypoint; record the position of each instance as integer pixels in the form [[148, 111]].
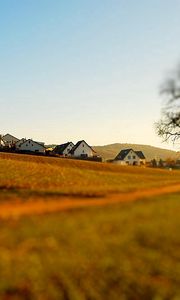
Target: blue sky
[[84, 69]]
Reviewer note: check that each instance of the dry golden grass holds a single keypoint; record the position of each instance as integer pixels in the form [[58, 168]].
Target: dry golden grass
[[27, 181], [53, 247]]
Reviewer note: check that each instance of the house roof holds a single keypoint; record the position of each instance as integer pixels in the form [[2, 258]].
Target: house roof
[[3, 137], [140, 154], [60, 148], [123, 153], [77, 145], [21, 141]]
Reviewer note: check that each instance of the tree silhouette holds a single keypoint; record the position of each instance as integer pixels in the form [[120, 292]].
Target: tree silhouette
[[168, 126]]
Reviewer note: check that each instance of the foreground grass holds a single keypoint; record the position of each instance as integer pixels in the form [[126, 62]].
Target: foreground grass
[[29, 176], [127, 251]]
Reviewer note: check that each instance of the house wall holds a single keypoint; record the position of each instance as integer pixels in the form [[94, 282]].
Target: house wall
[[19, 143], [30, 145], [132, 158], [83, 149], [142, 161], [2, 143], [66, 151]]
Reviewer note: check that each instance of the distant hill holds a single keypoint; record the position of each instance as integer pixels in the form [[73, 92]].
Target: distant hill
[[150, 152]]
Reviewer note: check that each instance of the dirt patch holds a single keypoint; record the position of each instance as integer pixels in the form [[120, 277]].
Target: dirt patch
[[18, 208]]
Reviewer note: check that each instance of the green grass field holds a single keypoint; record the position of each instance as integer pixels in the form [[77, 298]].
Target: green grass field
[[123, 251]]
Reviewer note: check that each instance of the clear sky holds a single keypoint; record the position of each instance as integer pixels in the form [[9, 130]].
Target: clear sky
[[86, 69]]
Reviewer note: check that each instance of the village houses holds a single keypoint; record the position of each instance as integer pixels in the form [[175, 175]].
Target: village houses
[[9, 140], [32, 146], [25, 145], [80, 150], [130, 157], [63, 149]]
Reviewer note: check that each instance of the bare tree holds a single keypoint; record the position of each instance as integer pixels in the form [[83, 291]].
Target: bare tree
[[168, 126]]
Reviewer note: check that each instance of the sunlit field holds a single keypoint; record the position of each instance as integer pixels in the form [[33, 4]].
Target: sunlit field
[[32, 176], [114, 249]]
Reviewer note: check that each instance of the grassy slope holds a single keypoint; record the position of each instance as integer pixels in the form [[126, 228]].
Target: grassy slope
[[25, 176], [150, 152]]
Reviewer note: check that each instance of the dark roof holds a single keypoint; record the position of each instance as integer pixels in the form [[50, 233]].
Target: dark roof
[[21, 140], [122, 154], [77, 145], [140, 154], [59, 149]]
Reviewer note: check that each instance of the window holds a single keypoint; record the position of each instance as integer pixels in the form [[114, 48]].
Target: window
[[134, 157], [129, 157]]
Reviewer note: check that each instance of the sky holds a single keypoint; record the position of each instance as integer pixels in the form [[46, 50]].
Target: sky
[[86, 69]]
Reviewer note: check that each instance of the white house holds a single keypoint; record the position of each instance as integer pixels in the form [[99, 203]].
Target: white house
[[130, 157], [63, 149], [1, 143], [30, 145], [18, 143], [9, 140], [82, 149]]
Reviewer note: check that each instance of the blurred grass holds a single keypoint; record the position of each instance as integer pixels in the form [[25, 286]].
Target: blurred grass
[[128, 251]]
